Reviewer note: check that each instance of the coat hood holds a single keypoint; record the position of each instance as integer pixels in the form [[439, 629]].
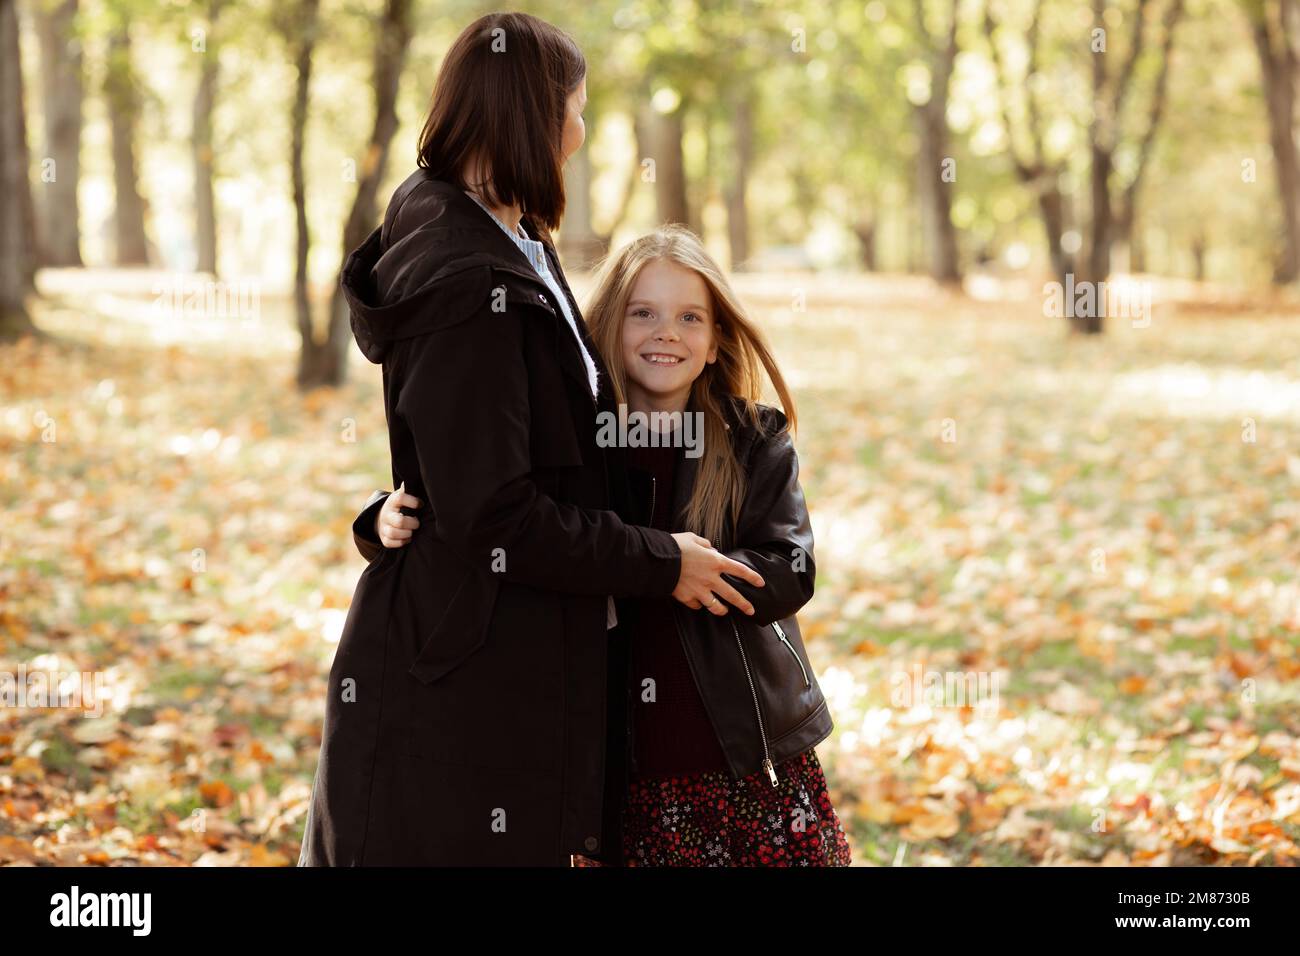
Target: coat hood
[[430, 263]]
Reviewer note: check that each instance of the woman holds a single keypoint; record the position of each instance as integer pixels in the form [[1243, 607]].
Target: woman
[[464, 721]]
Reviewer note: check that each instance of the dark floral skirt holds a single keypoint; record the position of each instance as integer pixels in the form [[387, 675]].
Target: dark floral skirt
[[711, 819]]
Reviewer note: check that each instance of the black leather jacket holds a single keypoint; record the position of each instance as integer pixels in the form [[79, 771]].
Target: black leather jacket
[[752, 672]]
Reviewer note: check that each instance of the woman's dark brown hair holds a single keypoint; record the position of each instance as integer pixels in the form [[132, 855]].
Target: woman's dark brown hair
[[501, 94]]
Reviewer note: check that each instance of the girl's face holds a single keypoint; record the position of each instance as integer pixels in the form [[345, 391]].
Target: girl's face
[[575, 130], [668, 335]]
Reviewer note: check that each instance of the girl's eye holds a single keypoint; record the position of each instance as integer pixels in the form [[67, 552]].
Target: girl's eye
[[639, 312], [692, 315]]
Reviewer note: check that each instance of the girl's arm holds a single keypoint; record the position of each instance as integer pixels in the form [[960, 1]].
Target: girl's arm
[[774, 535]]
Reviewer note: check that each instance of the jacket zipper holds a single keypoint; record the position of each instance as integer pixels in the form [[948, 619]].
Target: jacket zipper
[[762, 733], [776, 626], [767, 759]]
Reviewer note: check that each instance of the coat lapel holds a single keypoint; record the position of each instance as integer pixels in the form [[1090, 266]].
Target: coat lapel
[[501, 251], [569, 355], [566, 349]]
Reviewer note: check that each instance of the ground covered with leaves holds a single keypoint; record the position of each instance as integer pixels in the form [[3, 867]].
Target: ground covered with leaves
[[1057, 614]]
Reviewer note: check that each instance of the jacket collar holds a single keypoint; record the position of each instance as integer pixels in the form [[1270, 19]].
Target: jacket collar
[[437, 209], [744, 435], [449, 217], [436, 240]]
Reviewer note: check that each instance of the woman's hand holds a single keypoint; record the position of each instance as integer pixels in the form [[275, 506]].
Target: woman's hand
[[393, 528], [700, 584]]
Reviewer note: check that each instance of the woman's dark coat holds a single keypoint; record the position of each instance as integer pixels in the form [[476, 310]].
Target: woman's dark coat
[[466, 707]]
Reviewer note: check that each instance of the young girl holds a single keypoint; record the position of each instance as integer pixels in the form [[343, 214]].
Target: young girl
[[677, 340], [710, 758]]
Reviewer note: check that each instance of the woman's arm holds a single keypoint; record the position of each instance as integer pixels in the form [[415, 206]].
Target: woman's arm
[[464, 397], [774, 535]]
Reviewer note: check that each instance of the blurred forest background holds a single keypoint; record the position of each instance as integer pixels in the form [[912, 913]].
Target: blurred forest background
[[1092, 512]]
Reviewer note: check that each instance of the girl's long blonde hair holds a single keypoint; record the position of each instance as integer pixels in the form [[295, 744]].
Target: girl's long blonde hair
[[714, 508]]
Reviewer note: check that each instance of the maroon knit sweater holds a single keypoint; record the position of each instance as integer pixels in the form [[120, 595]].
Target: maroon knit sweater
[[672, 735]]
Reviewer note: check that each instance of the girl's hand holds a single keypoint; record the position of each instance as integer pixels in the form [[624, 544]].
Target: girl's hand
[[700, 584], [393, 528]]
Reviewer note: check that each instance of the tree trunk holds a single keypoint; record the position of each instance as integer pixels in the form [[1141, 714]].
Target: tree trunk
[[326, 363], [17, 225], [936, 209], [933, 193], [670, 166], [1137, 250], [1130, 235], [635, 171], [1096, 260], [916, 260], [1037, 172], [205, 207], [304, 33], [742, 131], [865, 229], [1277, 60], [1051, 210], [1102, 232], [1126, 227], [579, 245], [123, 101], [1198, 256], [1103, 137], [63, 88]]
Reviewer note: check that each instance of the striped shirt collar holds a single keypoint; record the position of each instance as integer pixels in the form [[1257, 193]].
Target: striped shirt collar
[[531, 248]]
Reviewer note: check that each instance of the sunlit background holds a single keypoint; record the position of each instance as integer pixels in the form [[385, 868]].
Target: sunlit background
[[1091, 523]]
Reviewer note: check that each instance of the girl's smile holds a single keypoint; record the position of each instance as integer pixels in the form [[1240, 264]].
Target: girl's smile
[[668, 336]]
